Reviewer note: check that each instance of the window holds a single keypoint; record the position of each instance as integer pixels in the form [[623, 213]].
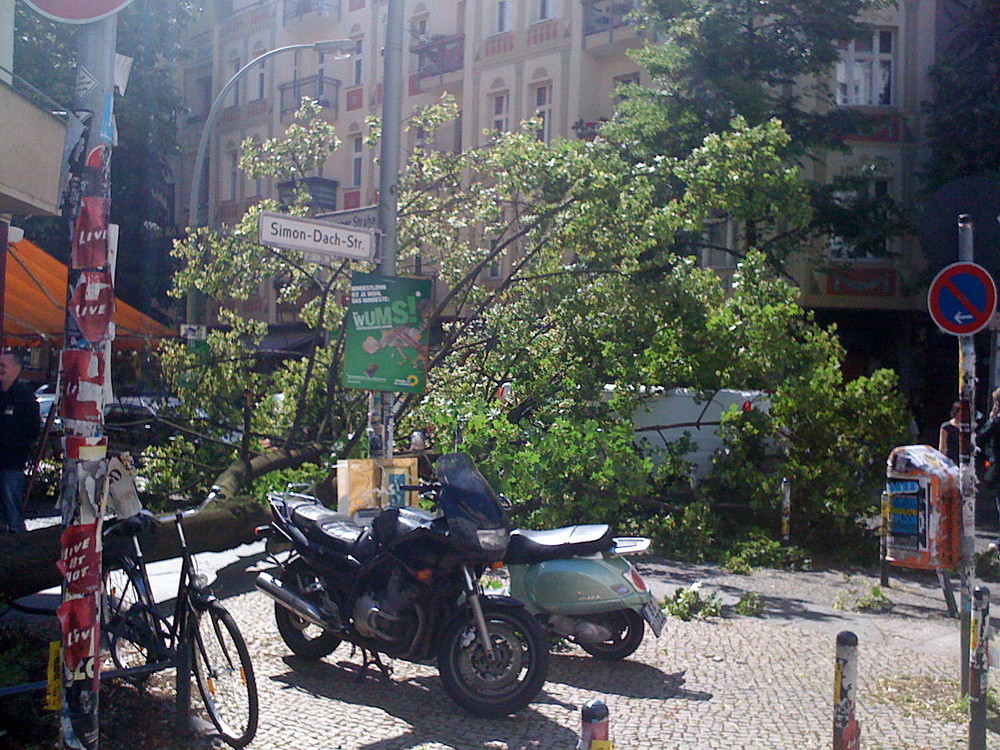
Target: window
[[359, 67], [203, 187], [719, 237], [234, 65], [356, 162], [543, 110], [203, 94], [545, 10], [234, 175], [501, 112], [503, 16], [261, 78], [864, 72], [624, 80], [494, 269], [870, 203]]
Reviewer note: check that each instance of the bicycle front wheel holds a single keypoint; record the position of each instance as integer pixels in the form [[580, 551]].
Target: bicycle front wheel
[[225, 675]]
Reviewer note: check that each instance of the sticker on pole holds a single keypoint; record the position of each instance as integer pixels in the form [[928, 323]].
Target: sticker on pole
[[962, 299]]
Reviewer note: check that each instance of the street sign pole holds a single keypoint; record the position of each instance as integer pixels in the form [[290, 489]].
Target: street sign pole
[[85, 376], [380, 404], [966, 451]]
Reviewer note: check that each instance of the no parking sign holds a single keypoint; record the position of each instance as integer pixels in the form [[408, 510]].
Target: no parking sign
[[962, 299]]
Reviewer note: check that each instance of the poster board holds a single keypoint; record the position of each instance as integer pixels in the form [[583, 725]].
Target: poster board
[[367, 485]]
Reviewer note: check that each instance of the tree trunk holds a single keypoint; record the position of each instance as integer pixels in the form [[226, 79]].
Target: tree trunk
[[224, 521], [28, 561]]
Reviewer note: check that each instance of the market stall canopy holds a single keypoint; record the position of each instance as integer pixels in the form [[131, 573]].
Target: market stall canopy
[[35, 304]]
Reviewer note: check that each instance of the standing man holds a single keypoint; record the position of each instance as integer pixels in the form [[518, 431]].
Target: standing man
[[20, 424]]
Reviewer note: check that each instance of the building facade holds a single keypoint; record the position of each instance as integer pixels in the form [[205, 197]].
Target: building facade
[[560, 60]]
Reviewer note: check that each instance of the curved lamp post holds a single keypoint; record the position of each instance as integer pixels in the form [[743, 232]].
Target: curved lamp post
[[341, 48]]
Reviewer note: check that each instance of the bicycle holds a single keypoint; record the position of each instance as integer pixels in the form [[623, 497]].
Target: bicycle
[[141, 640]]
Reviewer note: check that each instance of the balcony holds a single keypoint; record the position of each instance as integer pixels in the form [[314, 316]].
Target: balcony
[[439, 55], [323, 89], [322, 193], [295, 10], [605, 28]]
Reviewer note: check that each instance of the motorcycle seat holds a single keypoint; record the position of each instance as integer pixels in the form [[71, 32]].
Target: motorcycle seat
[[323, 526], [527, 547]]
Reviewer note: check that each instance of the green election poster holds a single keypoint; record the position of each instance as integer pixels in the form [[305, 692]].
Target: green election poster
[[387, 338]]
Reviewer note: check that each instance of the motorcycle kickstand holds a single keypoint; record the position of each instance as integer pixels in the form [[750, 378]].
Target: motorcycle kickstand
[[369, 659]]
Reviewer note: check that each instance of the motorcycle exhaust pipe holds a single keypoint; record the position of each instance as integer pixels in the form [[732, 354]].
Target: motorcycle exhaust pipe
[[295, 603]]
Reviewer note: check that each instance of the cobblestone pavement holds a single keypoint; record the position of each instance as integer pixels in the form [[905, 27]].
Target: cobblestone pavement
[[739, 683]]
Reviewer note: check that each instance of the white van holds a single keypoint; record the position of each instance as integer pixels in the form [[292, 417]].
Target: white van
[[664, 417]]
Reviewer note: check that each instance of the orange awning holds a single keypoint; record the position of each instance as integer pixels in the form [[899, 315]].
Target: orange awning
[[35, 304]]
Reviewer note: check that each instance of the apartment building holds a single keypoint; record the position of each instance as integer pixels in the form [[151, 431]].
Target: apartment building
[[507, 60]]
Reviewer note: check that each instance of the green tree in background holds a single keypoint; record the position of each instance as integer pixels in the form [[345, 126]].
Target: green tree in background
[[964, 127]]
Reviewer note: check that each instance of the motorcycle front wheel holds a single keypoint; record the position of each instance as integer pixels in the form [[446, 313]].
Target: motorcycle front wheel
[[627, 628], [507, 682], [306, 640]]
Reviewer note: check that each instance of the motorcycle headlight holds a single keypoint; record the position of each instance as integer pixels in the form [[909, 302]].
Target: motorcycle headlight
[[492, 539]]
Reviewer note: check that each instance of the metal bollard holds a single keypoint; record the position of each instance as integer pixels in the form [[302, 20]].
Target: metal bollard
[[979, 666], [846, 729], [594, 727], [786, 510]]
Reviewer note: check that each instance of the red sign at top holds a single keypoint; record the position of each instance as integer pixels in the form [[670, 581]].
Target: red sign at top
[[77, 11], [962, 299]]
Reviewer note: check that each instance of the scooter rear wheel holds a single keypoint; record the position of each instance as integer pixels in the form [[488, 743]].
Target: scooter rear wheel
[[627, 628]]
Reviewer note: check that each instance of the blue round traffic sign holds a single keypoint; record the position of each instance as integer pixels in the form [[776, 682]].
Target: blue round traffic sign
[[962, 298]]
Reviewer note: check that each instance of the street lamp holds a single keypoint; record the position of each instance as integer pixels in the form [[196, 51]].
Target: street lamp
[[340, 48]]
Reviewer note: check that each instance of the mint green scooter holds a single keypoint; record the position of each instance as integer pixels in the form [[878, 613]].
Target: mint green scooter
[[579, 584]]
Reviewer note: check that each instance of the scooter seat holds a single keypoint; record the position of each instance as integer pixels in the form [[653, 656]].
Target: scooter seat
[[527, 547], [324, 527]]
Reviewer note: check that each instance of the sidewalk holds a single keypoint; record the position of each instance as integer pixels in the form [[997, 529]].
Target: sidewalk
[[738, 683], [733, 683]]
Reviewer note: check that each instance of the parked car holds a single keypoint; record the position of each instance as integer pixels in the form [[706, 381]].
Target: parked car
[[129, 423]]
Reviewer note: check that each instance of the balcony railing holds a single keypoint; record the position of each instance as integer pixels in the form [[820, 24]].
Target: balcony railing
[[295, 9], [604, 15], [439, 55], [324, 89]]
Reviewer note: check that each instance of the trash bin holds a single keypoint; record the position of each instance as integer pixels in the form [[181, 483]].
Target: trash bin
[[921, 506]]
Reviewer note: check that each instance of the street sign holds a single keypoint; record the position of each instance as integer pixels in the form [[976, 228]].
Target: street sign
[[77, 11], [365, 217], [962, 299], [318, 240]]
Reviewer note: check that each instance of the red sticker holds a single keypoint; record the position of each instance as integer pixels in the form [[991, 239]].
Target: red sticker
[[92, 304], [83, 385], [78, 618], [90, 238], [86, 448], [80, 561]]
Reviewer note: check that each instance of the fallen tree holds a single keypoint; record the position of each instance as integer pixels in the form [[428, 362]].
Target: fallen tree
[[28, 561]]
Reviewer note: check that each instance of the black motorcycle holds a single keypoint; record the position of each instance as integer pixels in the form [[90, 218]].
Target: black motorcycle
[[408, 587]]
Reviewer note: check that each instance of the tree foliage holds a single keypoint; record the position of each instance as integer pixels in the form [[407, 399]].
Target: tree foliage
[[964, 128]]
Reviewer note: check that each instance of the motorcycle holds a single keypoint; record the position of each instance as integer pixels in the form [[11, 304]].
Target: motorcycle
[[579, 584], [577, 581], [408, 586]]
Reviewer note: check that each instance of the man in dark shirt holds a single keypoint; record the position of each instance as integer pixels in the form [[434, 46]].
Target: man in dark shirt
[[20, 424]]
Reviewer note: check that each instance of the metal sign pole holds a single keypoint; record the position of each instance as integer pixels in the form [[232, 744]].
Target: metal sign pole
[[380, 425], [84, 377], [966, 450]]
